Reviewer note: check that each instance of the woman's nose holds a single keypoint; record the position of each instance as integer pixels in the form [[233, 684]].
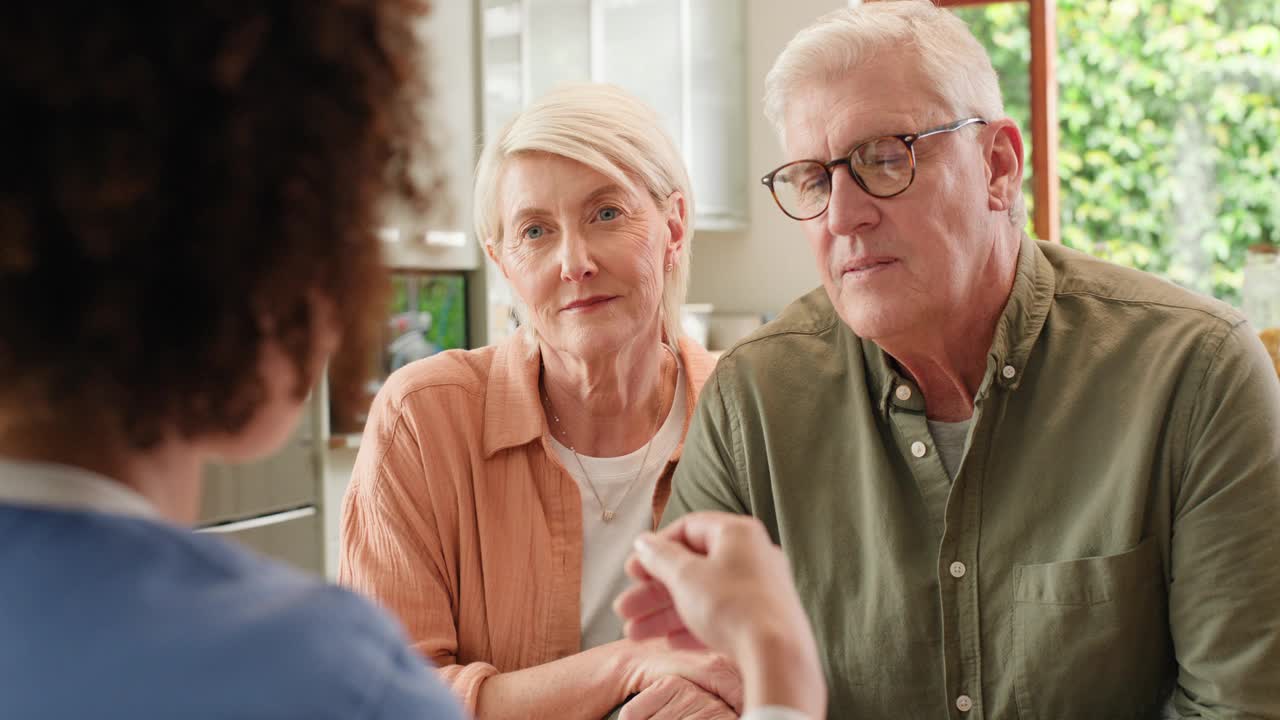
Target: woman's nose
[[576, 263]]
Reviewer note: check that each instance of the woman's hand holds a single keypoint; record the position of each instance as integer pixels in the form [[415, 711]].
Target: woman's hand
[[674, 698], [655, 662], [717, 581]]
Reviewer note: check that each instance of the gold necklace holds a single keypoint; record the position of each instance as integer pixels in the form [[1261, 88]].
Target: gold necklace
[[606, 514]]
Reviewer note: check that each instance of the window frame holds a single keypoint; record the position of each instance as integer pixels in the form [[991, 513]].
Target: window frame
[[1044, 110]]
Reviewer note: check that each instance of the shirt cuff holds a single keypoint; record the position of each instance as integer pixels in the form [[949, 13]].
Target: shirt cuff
[[775, 712], [465, 681]]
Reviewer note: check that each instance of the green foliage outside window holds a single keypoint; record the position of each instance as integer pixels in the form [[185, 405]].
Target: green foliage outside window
[[1169, 128]]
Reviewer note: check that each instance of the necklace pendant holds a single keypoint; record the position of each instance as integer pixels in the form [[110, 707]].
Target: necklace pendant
[[607, 516]]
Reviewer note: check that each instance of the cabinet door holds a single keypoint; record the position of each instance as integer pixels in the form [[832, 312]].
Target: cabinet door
[[503, 73], [685, 58], [639, 45], [292, 537], [285, 480], [557, 41], [221, 494], [288, 479], [716, 150]]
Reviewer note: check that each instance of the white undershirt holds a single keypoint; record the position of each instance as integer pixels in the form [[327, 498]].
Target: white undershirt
[[950, 439], [605, 546]]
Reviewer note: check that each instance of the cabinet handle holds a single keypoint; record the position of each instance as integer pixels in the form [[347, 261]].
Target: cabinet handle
[[257, 522]]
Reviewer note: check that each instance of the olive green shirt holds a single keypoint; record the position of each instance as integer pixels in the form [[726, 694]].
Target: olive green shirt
[[1110, 546]]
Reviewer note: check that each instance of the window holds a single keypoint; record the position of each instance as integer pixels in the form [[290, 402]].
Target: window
[[1004, 29], [1167, 150], [1001, 28]]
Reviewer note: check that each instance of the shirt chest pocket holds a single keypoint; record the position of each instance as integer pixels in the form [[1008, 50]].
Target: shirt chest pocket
[[1091, 637]]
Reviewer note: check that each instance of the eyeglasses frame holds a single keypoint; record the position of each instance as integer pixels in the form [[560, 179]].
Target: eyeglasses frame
[[909, 140]]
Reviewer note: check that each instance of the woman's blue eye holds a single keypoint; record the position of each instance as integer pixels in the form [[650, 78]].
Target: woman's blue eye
[[533, 232], [608, 213]]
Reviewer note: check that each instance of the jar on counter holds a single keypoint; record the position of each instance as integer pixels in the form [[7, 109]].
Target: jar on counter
[[1261, 295]]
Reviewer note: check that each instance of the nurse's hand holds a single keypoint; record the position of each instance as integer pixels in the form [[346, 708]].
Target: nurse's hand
[[713, 580]]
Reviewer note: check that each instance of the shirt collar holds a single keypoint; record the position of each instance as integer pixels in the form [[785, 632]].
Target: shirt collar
[[1015, 336], [63, 487], [513, 408], [1023, 318]]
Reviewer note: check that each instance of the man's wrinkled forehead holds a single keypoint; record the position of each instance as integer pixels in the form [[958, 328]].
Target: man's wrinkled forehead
[[829, 115], [825, 122]]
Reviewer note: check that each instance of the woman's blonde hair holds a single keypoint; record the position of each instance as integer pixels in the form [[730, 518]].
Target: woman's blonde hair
[[610, 131], [963, 79]]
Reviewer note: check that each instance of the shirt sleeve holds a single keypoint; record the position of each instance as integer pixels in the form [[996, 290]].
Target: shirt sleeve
[[775, 712], [391, 552], [1224, 587], [707, 477]]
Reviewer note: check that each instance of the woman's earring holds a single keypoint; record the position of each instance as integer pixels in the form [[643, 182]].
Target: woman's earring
[[670, 266]]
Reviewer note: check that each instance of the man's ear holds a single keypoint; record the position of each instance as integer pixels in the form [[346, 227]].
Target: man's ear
[[1004, 157]]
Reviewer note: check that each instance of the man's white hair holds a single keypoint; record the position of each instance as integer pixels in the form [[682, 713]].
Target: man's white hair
[[962, 79], [610, 131]]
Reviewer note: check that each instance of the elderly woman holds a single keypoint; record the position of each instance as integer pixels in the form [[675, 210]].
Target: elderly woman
[[498, 491]]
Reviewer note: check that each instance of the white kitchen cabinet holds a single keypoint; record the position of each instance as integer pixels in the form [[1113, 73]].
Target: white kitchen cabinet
[[558, 42], [441, 238], [716, 149], [685, 58], [273, 505], [640, 45]]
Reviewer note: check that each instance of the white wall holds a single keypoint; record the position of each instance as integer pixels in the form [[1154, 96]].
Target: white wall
[[765, 267]]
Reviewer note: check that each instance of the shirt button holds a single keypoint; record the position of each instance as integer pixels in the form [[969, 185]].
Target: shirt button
[[903, 392], [918, 449], [958, 569], [1008, 372], [964, 703]]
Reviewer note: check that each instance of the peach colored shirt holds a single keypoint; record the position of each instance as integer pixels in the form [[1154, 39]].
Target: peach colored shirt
[[460, 519]]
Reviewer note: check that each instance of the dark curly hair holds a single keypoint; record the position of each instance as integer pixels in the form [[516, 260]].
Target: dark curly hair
[[180, 182]]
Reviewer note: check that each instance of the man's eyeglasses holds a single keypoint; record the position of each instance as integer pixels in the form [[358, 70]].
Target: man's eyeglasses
[[883, 167]]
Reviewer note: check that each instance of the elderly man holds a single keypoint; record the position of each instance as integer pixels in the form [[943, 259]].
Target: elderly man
[[1011, 480]]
